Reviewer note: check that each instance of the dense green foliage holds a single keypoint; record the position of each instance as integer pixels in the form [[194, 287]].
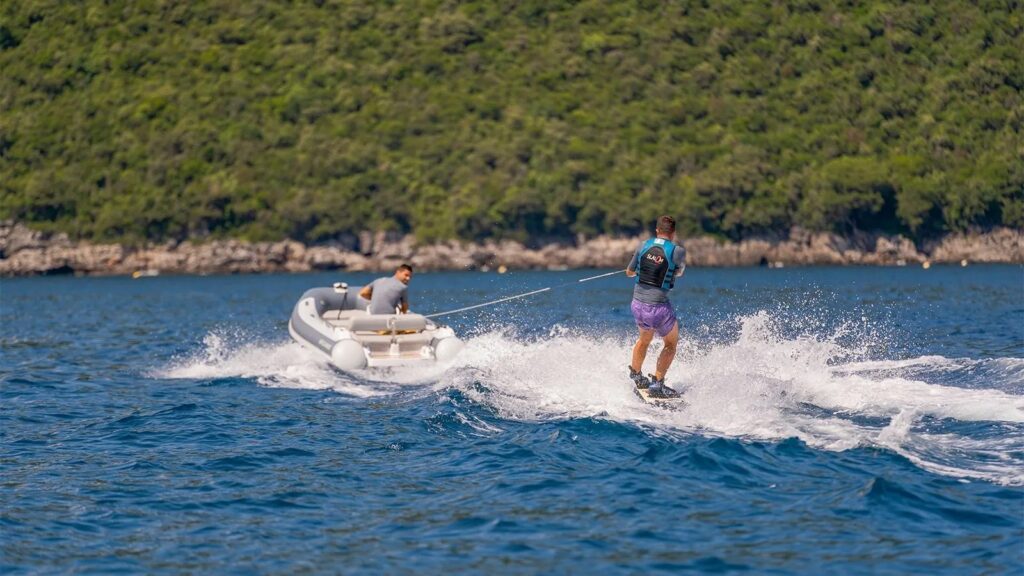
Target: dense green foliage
[[150, 119]]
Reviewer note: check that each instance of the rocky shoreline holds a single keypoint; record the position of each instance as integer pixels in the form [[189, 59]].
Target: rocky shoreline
[[26, 252]]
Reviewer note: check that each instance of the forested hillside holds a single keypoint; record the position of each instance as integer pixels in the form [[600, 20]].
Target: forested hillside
[[145, 120]]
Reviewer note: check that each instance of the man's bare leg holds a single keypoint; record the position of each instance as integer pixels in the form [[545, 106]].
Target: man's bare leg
[[640, 349], [668, 353]]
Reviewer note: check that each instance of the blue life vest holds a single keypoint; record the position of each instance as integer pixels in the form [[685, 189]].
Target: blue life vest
[[655, 266]]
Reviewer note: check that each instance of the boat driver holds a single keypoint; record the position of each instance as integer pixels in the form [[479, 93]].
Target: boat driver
[[656, 264], [389, 295]]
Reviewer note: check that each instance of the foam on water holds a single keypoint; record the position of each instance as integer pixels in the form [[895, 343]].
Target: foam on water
[[760, 385], [286, 365]]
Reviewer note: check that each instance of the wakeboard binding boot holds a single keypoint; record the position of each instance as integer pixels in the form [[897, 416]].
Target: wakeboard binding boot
[[658, 389], [639, 380]]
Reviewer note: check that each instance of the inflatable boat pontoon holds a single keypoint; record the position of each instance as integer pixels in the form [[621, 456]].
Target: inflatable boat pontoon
[[335, 322]]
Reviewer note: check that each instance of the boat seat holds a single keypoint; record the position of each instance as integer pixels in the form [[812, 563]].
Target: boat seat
[[387, 322]]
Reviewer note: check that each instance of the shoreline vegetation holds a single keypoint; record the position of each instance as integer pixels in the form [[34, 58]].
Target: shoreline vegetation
[[27, 252], [135, 123]]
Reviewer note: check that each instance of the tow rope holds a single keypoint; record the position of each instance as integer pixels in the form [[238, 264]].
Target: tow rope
[[523, 295]]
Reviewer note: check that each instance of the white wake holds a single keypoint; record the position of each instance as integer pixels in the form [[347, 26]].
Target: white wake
[[759, 385]]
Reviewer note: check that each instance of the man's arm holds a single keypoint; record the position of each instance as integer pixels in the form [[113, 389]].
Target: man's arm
[[367, 292], [404, 306], [679, 256], [633, 263]]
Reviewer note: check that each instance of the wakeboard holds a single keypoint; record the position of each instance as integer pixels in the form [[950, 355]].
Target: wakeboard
[[673, 403]]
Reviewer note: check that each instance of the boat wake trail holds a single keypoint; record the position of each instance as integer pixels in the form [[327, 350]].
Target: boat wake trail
[[956, 417], [285, 365]]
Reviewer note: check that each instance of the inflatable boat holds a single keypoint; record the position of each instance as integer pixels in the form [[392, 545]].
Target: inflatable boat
[[335, 322]]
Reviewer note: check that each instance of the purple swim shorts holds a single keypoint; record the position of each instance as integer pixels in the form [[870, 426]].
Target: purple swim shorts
[[658, 317]]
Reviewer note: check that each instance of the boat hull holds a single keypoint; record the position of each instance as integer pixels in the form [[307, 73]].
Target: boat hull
[[333, 323]]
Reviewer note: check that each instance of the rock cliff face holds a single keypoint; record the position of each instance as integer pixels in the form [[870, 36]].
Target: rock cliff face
[[25, 252]]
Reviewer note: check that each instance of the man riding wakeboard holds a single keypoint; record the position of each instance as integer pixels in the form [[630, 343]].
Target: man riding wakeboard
[[656, 264]]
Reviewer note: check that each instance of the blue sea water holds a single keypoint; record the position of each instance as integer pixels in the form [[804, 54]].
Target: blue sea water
[[850, 420]]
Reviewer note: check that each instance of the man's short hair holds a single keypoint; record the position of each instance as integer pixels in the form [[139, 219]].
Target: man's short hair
[[405, 267], [666, 225]]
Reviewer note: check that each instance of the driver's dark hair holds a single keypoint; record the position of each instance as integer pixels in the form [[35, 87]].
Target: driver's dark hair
[[404, 267], [666, 225]]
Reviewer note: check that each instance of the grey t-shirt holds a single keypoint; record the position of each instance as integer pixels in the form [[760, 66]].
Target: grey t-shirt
[[654, 294], [387, 294]]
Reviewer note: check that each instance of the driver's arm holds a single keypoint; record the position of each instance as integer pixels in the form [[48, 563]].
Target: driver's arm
[[367, 292]]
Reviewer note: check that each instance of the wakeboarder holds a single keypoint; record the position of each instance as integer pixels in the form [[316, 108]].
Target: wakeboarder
[[656, 264]]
